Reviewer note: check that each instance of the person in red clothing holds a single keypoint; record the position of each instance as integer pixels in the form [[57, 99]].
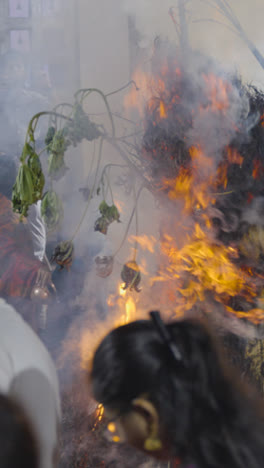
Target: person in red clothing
[[166, 391], [23, 276]]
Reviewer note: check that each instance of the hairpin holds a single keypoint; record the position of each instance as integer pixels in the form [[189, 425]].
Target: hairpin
[[165, 335]]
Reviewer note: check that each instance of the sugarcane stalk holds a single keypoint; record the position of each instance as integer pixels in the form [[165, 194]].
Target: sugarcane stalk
[[227, 11], [183, 30]]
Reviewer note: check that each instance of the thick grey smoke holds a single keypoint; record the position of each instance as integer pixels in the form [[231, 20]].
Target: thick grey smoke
[[207, 30]]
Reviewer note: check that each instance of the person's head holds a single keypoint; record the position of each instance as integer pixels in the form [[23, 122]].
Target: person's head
[[166, 395], [135, 375], [17, 444], [8, 171]]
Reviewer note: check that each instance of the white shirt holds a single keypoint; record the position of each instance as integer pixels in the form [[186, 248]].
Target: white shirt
[[37, 230], [28, 374]]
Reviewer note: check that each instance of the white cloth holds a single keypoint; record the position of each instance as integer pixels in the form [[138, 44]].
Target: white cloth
[[37, 230], [28, 374]]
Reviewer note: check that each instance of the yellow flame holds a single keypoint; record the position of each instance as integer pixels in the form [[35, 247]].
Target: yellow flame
[[122, 291], [162, 110], [130, 309], [100, 412], [145, 242], [98, 415], [193, 264]]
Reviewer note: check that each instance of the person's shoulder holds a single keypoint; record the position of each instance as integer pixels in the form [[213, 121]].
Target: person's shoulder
[[4, 306], [16, 333], [23, 345]]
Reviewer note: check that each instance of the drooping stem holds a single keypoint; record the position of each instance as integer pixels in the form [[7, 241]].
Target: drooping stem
[[42, 151], [34, 121], [86, 92], [91, 165], [136, 222], [129, 163], [61, 106], [109, 187], [130, 221], [108, 166], [122, 88], [92, 190]]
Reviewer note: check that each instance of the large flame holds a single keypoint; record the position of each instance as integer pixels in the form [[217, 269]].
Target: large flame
[[196, 265]]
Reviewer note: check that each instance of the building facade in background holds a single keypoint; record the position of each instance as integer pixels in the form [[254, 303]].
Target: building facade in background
[[39, 61]]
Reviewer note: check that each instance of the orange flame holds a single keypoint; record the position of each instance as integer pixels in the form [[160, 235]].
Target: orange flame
[[193, 264], [258, 169], [162, 110], [234, 157], [200, 268], [217, 93], [136, 98], [146, 242]]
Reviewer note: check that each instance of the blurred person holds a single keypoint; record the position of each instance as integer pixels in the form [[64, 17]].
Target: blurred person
[[28, 375], [23, 274], [167, 392], [18, 447]]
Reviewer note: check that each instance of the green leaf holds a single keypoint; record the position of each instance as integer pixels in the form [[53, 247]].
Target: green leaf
[[51, 210]]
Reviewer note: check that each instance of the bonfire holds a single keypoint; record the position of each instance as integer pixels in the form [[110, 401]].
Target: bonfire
[[199, 150]]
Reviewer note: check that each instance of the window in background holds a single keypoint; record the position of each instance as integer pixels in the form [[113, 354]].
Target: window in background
[[20, 40], [19, 8], [50, 7]]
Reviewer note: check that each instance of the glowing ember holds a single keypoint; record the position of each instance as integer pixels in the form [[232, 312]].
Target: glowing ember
[[122, 291], [234, 157], [99, 413]]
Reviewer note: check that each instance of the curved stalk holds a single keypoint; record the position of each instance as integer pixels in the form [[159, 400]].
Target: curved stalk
[[85, 93], [136, 221], [91, 193], [129, 222], [122, 88], [34, 121], [109, 187]]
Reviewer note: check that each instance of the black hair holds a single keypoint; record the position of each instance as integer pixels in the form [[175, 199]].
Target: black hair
[[18, 448], [204, 414], [7, 174]]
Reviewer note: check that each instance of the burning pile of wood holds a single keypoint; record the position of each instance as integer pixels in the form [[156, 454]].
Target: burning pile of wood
[[203, 155]]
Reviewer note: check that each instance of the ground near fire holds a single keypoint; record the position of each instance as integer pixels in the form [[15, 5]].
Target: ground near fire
[[152, 194]]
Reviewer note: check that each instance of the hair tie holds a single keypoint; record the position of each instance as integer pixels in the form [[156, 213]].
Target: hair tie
[[165, 335]]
